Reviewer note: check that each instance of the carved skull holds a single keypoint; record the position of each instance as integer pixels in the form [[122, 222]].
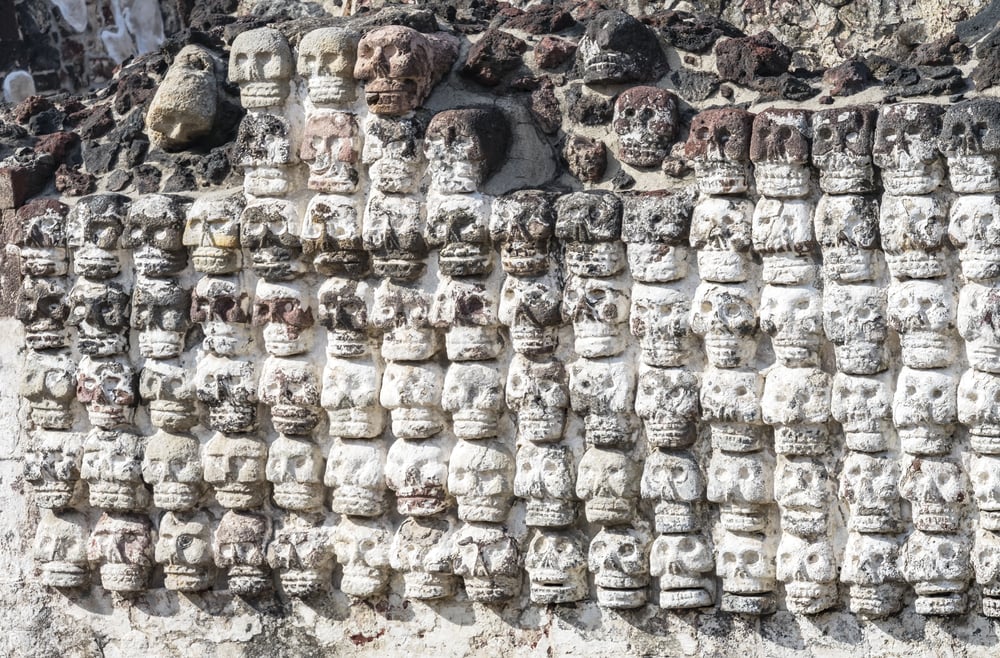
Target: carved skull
[[489, 560], [473, 395], [796, 402], [394, 234], [52, 466], [269, 230], [783, 233], [100, 312], [530, 309], [604, 394], [871, 568], [261, 63], [291, 388], [160, 311], [421, 549], [417, 472], [331, 146], [590, 224], [184, 548], [779, 150], [842, 149], [331, 236], [846, 228], [659, 319], [618, 48], [235, 466], [985, 477], [985, 551], [43, 224], [937, 490], [403, 314], [545, 480], [803, 490], [393, 151], [481, 477], [971, 143], [295, 468], [362, 548], [809, 570], [598, 309], [645, 121], [973, 230], [655, 226], [354, 474], [608, 482], [60, 549], [742, 484], [730, 402], [914, 232], [302, 554], [923, 312], [863, 407], [458, 224], [537, 395], [719, 144], [108, 389], [721, 230], [674, 483], [854, 318], [43, 307], [619, 560], [793, 317], [343, 309], [186, 101], [467, 311], [557, 566], [726, 319], [326, 60], [746, 564], [522, 223], [412, 394], [213, 233], [154, 231], [350, 396], [285, 312], [684, 565], [978, 305], [868, 484], [924, 410], [93, 229], [939, 568], [979, 410], [171, 463], [228, 388], [222, 307], [240, 547], [464, 147], [667, 402], [906, 148], [122, 544], [48, 385]]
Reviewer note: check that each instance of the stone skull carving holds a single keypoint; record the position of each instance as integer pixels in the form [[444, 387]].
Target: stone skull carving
[[412, 394], [937, 490], [939, 568], [782, 233], [344, 308], [60, 549], [719, 144], [854, 319], [48, 385], [417, 471], [222, 307], [721, 231], [212, 232], [730, 402], [984, 473], [269, 230], [871, 568], [302, 555], [971, 143], [906, 147], [331, 236], [184, 107], [608, 482], [604, 394], [154, 231], [590, 225], [977, 307], [473, 395], [261, 63], [399, 67], [598, 309], [923, 313], [468, 312], [924, 409], [52, 466], [464, 148], [978, 409], [616, 47], [228, 388], [236, 466], [985, 550], [295, 468], [545, 480], [240, 548], [684, 564], [645, 121], [43, 224], [458, 225], [481, 478], [393, 233], [264, 151], [538, 396], [523, 223], [914, 230], [123, 545], [667, 402], [659, 319], [869, 486], [793, 317], [393, 151], [291, 388], [808, 569], [742, 484], [530, 309], [43, 307], [331, 146], [655, 228], [403, 315], [93, 228], [863, 407], [421, 549], [350, 396], [107, 388], [354, 474], [973, 229], [846, 228], [286, 315], [362, 548], [161, 314], [779, 150], [557, 566], [842, 149], [171, 463], [619, 560], [100, 312], [326, 60], [673, 482], [489, 560], [726, 319], [796, 402], [184, 548], [803, 490], [746, 564]]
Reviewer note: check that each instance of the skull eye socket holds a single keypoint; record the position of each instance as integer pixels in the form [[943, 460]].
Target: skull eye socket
[[751, 557], [724, 136], [958, 129], [702, 133], [728, 557], [824, 133], [784, 133], [946, 551], [686, 544], [936, 393], [626, 550]]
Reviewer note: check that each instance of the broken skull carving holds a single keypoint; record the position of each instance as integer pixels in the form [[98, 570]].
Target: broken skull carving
[[464, 147], [331, 147], [645, 121], [538, 396], [971, 143], [618, 48], [213, 233], [545, 480], [556, 566], [331, 236], [719, 145]]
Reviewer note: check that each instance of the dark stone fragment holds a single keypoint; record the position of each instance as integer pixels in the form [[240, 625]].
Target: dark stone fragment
[[118, 180], [847, 78], [99, 158], [60, 145], [552, 52], [181, 180], [945, 51], [541, 19], [421, 20], [623, 181], [744, 60], [214, 167], [924, 81], [694, 86], [46, 122], [493, 56], [545, 108], [987, 71], [147, 179], [31, 106], [695, 33], [586, 158], [588, 109], [980, 25], [98, 122], [135, 154], [73, 182]]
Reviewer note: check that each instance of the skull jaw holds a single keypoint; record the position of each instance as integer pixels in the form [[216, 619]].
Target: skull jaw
[[186, 578], [974, 173], [524, 258], [240, 495], [96, 263], [174, 416], [46, 339], [176, 496], [102, 344], [807, 598], [155, 262], [263, 93], [107, 417], [595, 340], [947, 604], [982, 264], [51, 417], [366, 423], [124, 578], [276, 264], [743, 517], [737, 437], [534, 341], [363, 581], [669, 433], [620, 599], [426, 586], [608, 430], [44, 262], [846, 264], [783, 179], [788, 268], [160, 344], [985, 439], [983, 356], [685, 599], [474, 424], [991, 607], [549, 590], [927, 349], [989, 519], [294, 420], [343, 262], [876, 601], [874, 521], [427, 501], [216, 260], [915, 264], [655, 262], [723, 266], [925, 439], [248, 581], [728, 350], [230, 418], [721, 176], [299, 496], [416, 423], [868, 440], [492, 589], [595, 259], [331, 89], [357, 501], [465, 259], [549, 513], [931, 517], [410, 344], [546, 426], [64, 575], [811, 439], [347, 344], [54, 494], [854, 175], [490, 509], [861, 358], [118, 496], [675, 517], [795, 352], [303, 583], [610, 511], [912, 179], [472, 343], [748, 604]]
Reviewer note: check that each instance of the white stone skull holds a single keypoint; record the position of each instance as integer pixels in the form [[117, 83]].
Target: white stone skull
[[100, 312], [458, 225], [417, 472], [846, 228], [285, 312], [530, 309], [394, 153], [412, 394], [122, 544], [598, 309], [721, 231], [604, 395], [796, 402], [984, 473], [863, 407], [925, 409], [228, 388], [302, 555], [42, 307], [344, 306], [240, 548], [608, 482], [154, 232], [869, 486], [48, 386], [537, 395], [403, 315], [742, 484], [60, 549], [793, 317], [295, 468], [970, 142], [326, 58], [546, 480], [481, 478], [619, 560], [43, 227], [937, 490], [854, 319], [914, 235], [52, 465], [726, 319], [362, 549], [467, 311], [473, 394], [684, 564], [779, 150], [938, 567], [260, 62], [979, 409], [730, 402], [719, 144], [746, 563], [673, 482], [212, 232], [590, 225], [659, 319], [923, 313], [222, 307], [666, 400], [421, 549], [161, 314], [655, 228], [264, 152], [871, 568], [393, 233], [804, 493], [489, 560], [906, 147], [522, 224], [783, 234], [236, 468], [464, 147], [93, 229], [842, 149], [978, 304], [986, 565], [355, 477], [808, 569], [350, 396], [973, 229], [269, 231], [112, 469], [171, 463], [331, 236], [291, 389], [184, 548], [556, 563]]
